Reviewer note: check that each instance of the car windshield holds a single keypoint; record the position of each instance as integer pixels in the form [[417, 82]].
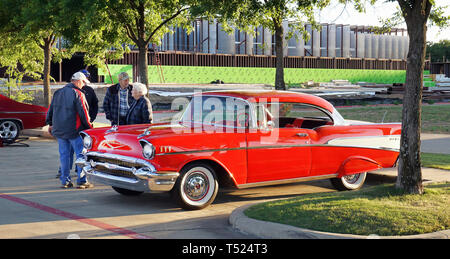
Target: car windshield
[[219, 111]]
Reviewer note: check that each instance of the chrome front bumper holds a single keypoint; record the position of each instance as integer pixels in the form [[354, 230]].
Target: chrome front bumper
[[125, 172]]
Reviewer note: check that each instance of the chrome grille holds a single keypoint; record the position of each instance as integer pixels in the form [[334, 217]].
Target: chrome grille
[[114, 165], [115, 172], [114, 161]]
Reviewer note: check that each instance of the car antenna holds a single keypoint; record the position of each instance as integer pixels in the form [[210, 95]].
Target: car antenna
[[384, 116]]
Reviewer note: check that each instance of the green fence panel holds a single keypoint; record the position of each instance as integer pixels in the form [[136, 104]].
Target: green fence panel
[[295, 76], [115, 70]]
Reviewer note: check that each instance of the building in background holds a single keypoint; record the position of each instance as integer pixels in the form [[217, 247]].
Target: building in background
[[333, 40], [335, 46]]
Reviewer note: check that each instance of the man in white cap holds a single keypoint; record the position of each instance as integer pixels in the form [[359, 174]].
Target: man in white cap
[[67, 116]]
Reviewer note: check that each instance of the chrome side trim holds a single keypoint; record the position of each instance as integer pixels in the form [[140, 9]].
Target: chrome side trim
[[383, 142], [271, 147], [285, 181]]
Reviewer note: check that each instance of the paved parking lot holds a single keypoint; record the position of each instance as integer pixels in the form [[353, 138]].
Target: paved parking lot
[[33, 206]]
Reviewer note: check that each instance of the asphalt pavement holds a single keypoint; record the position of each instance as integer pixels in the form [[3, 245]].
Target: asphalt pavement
[[36, 208]]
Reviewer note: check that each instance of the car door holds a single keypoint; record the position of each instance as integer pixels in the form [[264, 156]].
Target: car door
[[277, 153], [289, 156]]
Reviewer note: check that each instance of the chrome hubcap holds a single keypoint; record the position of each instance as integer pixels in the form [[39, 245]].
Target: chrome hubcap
[[8, 130], [351, 178], [196, 186]]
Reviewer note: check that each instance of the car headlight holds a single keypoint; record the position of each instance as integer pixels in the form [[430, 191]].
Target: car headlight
[[148, 150], [87, 141]]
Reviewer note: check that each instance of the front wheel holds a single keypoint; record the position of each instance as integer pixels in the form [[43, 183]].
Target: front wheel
[[349, 182], [196, 188]]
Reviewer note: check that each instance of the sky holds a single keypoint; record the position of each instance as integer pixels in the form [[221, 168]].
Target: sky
[[340, 14]]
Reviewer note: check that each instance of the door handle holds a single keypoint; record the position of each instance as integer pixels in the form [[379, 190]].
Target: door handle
[[302, 134]]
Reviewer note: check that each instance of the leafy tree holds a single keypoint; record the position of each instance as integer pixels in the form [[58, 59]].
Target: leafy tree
[[15, 53], [94, 33], [138, 23], [35, 23], [416, 14], [248, 14], [440, 51]]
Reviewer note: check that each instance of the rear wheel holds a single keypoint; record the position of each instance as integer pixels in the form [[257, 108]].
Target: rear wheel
[[197, 187], [9, 130], [349, 182]]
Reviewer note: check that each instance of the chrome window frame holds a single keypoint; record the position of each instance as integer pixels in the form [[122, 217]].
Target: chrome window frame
[[334, 116], [252, 114]]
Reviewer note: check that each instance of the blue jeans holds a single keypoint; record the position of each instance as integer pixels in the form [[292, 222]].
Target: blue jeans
[[64, 157], [71, 161]]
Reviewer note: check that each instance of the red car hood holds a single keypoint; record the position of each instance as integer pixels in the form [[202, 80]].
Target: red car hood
[[125, 139]]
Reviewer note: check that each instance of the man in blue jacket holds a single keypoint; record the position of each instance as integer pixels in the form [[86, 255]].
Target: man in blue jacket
[[67, 116], [92, 101]]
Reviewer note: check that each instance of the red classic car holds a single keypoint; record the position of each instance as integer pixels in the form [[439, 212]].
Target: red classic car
[[17, 116], [239, 138]]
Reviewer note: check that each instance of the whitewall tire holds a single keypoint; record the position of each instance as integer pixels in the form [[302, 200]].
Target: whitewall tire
[[349, 182], [197, 187]]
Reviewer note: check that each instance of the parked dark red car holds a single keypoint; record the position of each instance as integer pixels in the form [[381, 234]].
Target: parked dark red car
[[17, 116]]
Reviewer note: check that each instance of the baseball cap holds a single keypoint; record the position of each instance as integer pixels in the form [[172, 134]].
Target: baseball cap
[[86, 73], [123, 76], [80, 76]]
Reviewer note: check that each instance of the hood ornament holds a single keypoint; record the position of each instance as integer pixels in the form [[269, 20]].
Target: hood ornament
[[114, 128], [146, 133]]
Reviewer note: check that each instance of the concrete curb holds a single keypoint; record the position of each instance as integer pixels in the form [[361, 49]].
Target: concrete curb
[[270, 230]]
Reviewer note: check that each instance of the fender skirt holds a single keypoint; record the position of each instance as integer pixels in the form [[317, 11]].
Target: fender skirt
[[357, 164]]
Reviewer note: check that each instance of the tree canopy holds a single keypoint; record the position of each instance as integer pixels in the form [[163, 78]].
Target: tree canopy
[[28, 27], [439, 52], [120, 23]]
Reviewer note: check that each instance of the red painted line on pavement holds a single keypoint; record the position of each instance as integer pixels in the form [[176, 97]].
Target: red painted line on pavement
[[68, 215]]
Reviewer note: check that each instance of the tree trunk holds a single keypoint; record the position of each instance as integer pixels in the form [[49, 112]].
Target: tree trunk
[[143, 65], [409, 167], [47, 61], [142, 45], [279, 73]]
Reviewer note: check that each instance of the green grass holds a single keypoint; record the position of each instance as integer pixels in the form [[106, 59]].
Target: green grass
[[382, 210], [435, 118], [439, 161]]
